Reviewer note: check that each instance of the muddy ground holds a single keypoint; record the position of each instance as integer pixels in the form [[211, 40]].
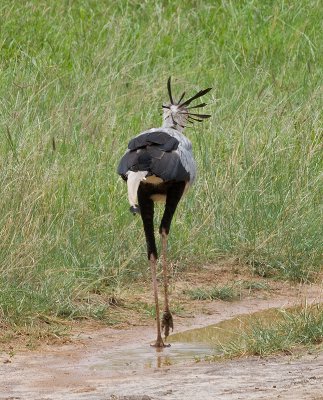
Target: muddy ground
[[112, 364]]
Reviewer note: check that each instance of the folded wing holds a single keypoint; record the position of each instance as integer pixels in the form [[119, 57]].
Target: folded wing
[[155, 152]]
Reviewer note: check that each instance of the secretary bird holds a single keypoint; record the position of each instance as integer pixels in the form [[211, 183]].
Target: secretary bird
[[159, 166]]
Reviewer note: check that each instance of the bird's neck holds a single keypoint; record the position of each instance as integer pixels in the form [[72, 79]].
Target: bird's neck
[[169, 124]]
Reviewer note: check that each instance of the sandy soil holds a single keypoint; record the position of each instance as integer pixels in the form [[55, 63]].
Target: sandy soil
[[112, 364]]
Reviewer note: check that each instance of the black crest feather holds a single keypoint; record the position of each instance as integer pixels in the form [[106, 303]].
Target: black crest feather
[[170, 90], [196, 96], [182, 108]]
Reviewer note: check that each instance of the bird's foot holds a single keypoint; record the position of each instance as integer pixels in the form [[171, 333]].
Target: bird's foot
[[167, 323], [159, 344]]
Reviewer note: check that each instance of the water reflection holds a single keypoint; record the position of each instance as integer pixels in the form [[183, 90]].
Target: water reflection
[[185, 346], [226, 331], [144, 356]]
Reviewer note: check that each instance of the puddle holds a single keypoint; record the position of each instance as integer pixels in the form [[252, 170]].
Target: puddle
[[226, 331], [145, 356], [185, 346]]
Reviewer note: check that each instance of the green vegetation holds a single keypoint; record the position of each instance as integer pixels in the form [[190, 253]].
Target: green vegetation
[[260, 333], [254, 286], [289, 330], [226, 293], [80, 78]]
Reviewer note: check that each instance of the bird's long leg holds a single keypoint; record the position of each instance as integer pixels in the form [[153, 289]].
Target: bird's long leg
[[174, 195], [147, 214], [153, 262], [164, 259], [167, 321]]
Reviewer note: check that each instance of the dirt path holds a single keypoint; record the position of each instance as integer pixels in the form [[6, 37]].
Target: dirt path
[[112, 364]]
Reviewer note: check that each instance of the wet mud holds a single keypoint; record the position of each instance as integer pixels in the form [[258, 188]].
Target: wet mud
[[120, 364]]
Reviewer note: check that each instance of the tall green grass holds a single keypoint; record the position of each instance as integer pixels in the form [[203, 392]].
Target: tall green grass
[[80, 78], [288, 331]]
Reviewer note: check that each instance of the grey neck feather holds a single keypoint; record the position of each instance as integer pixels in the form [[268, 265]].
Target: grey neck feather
[[173, 118], [168, 123]]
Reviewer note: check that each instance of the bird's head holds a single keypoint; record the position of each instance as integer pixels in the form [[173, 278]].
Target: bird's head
[[177, 114]]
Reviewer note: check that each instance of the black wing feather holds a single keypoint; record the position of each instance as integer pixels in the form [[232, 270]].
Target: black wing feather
[[169, 168], [165, 141], [154, 152], [126, 162]]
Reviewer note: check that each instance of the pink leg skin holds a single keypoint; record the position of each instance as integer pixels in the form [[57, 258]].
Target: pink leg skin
[[159, 341], [167, 320]]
